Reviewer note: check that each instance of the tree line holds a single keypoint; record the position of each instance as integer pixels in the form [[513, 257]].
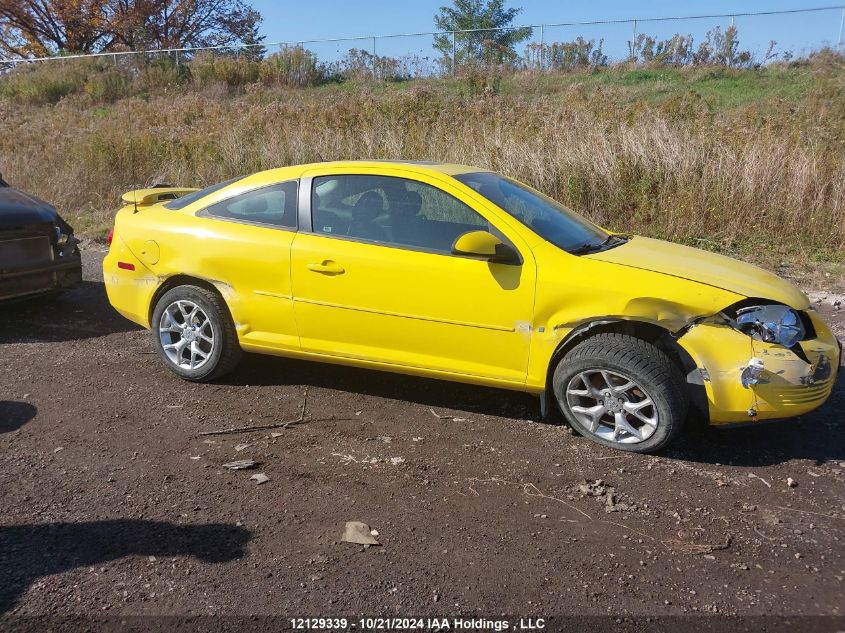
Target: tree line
[[476, 33], [41, 28]]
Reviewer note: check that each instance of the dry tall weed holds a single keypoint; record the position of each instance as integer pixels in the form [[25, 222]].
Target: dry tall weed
[[631, 167]]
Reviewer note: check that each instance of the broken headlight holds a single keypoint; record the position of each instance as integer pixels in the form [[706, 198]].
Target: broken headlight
[[65, 240], [773, 323]]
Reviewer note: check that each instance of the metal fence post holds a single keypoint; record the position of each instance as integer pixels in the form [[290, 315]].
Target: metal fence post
[[633, 41], [542, 44], [177, 57], [454, 55], [374, 59], [841, 24]]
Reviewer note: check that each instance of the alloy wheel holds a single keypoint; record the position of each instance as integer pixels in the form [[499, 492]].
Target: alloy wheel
[[187, 334], [612, 406]]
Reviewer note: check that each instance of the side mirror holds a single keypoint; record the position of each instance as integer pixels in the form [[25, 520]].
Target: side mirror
[[484, 245]]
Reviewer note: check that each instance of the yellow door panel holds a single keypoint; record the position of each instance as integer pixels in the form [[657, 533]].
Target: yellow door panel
[[411, 308]]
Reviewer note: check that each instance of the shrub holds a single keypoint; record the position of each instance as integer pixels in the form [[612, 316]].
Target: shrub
[[293, 66], [566, 56], [44, 83], [361, 64], [108, 86], [208, 68]]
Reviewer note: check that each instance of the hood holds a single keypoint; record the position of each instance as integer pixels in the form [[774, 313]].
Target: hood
[[704, 267], [20, 209]]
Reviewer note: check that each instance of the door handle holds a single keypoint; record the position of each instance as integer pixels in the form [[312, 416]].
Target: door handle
[[326, 267]]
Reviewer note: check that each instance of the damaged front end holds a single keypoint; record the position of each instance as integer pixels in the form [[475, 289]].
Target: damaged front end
[[760, 360], [38, 250]]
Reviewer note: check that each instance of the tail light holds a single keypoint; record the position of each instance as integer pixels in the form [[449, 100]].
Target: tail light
[[110, 236]]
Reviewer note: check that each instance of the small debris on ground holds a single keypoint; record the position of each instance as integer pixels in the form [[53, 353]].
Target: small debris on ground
[[241, 464], [683, 547], [241, 447], [348, 459], [791, 482], [604, 494], [397, 460], [358, 533], [753, 476], [58, 448], [260, 478]]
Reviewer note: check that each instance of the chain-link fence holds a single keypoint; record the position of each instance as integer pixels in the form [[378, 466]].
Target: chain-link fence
[[731, 39]]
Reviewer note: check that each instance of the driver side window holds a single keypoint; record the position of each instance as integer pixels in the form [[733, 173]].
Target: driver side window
[[390, 210]]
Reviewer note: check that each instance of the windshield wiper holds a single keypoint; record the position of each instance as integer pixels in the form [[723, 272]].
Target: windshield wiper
[[590, 247]]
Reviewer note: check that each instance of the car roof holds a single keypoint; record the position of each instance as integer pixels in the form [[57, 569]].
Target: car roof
[[296, 171], [280, 174], [450, 169]]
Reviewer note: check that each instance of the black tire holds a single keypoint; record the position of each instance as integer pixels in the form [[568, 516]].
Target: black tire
[[638, 360], [226, 351]]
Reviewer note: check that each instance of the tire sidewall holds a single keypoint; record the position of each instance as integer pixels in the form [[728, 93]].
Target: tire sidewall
[[569, 368], [196, 295]]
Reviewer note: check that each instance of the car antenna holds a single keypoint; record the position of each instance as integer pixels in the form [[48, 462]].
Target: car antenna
[[132, 159]]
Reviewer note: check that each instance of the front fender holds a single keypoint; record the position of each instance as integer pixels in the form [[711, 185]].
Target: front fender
[[573, 291]]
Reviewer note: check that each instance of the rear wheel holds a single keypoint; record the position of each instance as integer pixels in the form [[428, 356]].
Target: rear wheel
[[621, 392], [194, 334]]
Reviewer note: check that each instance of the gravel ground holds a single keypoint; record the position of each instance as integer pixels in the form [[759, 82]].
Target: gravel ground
[[113, 503]]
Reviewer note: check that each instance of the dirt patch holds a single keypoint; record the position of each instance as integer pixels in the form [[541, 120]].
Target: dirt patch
[[114, 503]]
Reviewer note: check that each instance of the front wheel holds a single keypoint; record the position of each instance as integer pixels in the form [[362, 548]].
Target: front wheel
[[194, 334], [622, 392]]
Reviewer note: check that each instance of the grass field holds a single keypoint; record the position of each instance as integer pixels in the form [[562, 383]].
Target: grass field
[[747, 162]]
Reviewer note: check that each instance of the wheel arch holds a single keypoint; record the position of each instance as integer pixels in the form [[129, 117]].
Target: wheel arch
[[655, 334], [175, 281]]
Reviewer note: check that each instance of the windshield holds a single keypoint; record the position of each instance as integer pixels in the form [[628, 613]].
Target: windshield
[[184, 201], [549, 219]]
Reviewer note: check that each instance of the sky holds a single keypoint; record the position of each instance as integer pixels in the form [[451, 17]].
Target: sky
[[285, 20]]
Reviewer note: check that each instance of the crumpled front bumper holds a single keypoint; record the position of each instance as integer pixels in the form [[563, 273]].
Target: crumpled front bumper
[[34, 281], [788, 385]]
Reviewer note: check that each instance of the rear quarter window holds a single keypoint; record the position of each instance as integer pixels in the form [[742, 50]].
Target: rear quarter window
[[184, 201], [274, 205]]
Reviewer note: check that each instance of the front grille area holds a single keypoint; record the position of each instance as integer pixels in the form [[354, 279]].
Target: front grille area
[[25, 252], [800, 395]]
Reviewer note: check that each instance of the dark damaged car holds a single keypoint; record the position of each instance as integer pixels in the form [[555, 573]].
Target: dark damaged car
[[38, 251]]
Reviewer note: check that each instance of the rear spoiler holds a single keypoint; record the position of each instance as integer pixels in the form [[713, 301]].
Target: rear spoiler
[[147, 197]]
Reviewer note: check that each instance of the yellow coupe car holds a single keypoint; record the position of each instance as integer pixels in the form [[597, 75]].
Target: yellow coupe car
[[460, 273]]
